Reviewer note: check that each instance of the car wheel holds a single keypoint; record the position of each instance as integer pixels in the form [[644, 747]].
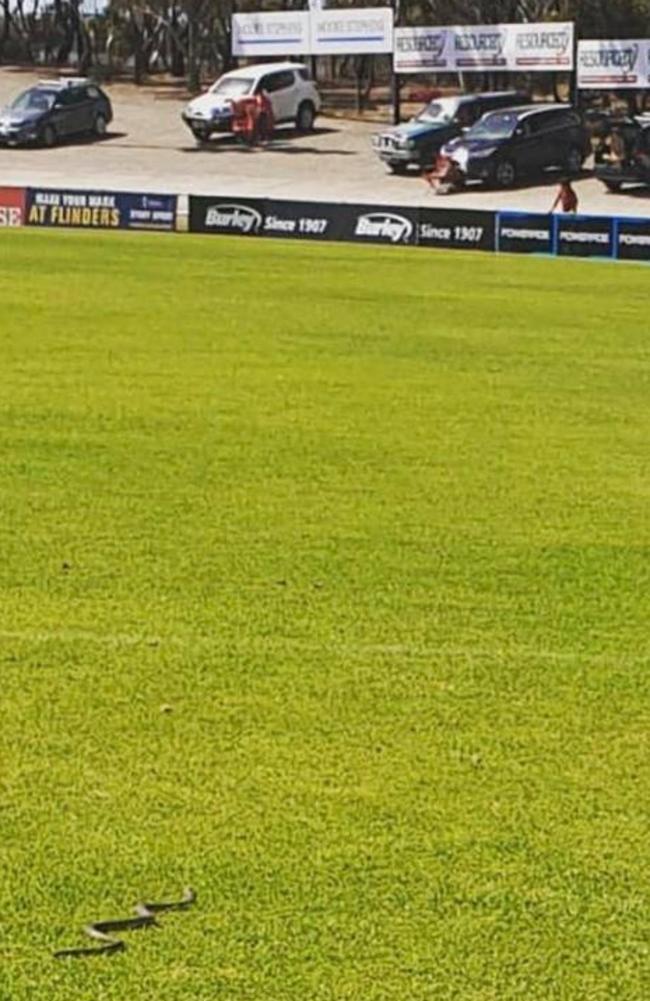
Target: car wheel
[[305, 117], [397, 168], [201, 137], [613, 185], [505, 174], [49, 136], [99, 128], [573, 162]]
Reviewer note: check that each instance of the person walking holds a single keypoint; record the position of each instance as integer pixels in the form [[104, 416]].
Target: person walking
[[566, 197]]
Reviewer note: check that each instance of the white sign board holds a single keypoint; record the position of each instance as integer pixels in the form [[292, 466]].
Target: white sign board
[[424, 50], [606, 65], [354, 30], [280, 33], [508, 47], [543, 46]]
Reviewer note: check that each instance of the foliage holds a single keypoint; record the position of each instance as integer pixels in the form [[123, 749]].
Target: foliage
[[191, 37]]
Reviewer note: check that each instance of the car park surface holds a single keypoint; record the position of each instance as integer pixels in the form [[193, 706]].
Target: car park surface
[[148, 148]]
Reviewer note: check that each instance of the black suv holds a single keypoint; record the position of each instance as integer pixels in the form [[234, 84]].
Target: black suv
[[505, 145], [53, 110], [418, 141], [623, 156]]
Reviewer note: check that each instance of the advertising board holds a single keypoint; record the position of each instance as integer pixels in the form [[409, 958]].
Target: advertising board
[[277, 33], [424, 50], [604, 65], [525, 233], [584, 236], [633, 239], [458, 229], [306, 220], [380, 224], [318, 31], [12, 207], [508, 47], [100, 209], [236, 216], [398, 225], [356, 30]]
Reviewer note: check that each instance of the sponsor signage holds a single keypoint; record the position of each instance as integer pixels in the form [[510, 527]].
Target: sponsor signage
[[12, 207], [399, 226], [237, 216], [633, 239], [509, 47], [279, 33], [422, 50], [355, 30], [459, 229], [584, 236], [304, 220], [100, 209], [380, 224], [525, 233], [316, 31], [603, 65]]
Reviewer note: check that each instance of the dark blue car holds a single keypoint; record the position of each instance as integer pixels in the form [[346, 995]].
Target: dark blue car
[[505, 146], [53, 110]]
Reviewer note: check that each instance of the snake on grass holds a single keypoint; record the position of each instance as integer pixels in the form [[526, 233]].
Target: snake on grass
[[104, 931]]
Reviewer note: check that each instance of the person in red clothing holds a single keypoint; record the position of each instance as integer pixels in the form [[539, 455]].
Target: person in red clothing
[[252, 119], [265, 117], [566, 197], [244, 118]]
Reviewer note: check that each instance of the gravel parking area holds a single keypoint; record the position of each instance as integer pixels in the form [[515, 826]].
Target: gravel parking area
[[149, 148]]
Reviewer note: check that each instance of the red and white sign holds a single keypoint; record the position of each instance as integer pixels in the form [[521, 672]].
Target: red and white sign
[[12, 207]]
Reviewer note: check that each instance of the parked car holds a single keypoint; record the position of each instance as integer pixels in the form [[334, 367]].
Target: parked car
[[55, 109], [291, 90], [417, 142], [623, 156], [506, 145]]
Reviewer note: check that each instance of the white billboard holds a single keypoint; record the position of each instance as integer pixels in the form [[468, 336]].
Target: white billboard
[[604, 65], [280, 33], [508, 47], [354, 30], [424, 50]]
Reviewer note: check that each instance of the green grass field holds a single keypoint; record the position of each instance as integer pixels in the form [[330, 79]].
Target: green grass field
[[324, 589]]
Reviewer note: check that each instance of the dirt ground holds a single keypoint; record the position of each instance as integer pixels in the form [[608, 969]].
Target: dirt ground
[[148, 148]]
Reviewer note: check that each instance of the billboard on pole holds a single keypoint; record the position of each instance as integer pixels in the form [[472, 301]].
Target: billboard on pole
[[355, 30], [508, 47], [279, 33], [317, 32], [605, 64]]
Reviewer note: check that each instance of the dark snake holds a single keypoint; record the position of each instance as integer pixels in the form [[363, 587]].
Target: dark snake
[[104, 931]]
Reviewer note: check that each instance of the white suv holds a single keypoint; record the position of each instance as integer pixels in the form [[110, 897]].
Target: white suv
[[289, 86]]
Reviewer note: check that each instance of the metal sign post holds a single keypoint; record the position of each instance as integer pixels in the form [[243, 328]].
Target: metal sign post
[[394, 77]]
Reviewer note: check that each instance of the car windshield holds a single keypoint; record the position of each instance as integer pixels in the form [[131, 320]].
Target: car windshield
[[33, 100], [495, 125], [440, 112], [235, 86]]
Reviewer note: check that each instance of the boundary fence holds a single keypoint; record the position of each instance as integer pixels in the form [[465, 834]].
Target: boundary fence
[[613, 238]]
